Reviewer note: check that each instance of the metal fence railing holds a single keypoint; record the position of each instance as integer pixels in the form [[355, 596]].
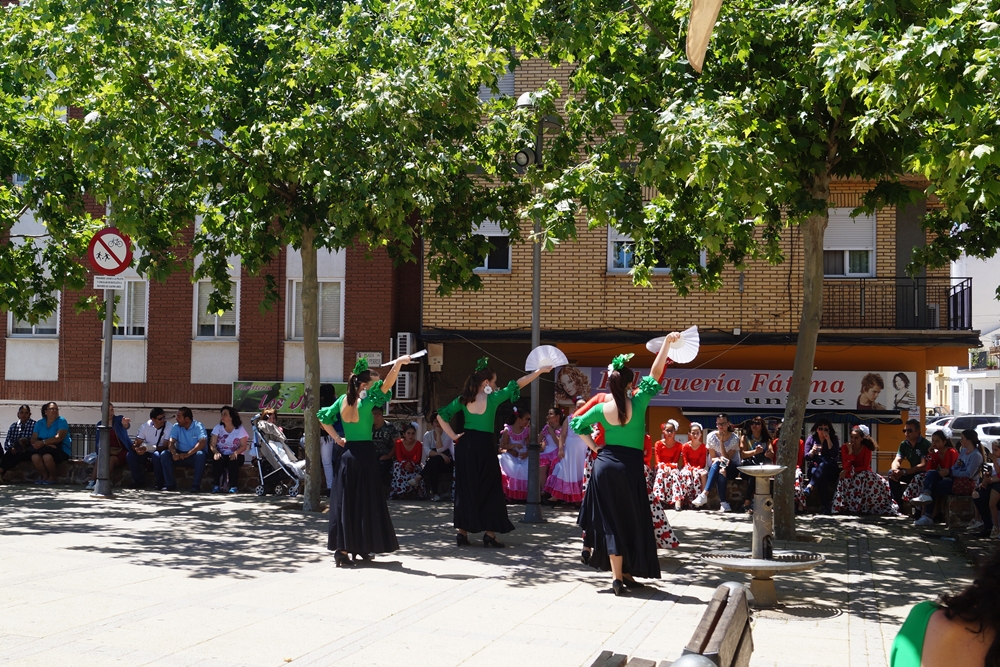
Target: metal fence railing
[[897, 303]]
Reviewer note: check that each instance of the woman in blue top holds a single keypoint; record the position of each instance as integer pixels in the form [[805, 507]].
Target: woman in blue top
[[480, 505], [615, 516], [359, 517], [51, 442]]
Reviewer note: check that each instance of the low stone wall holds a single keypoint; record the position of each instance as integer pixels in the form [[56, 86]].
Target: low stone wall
[[75, 471]]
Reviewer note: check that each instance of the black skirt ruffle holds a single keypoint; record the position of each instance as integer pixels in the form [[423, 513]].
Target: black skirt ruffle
[[359, 516], [615, 515], [479, 501]]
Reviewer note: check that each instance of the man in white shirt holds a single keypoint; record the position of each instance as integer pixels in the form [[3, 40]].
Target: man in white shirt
[[724, 447], [150, 442]]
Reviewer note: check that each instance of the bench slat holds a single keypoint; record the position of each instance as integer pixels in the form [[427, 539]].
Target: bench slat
[[742, 657], [723, 645], [609, 659], [709, 620], [641, 662]]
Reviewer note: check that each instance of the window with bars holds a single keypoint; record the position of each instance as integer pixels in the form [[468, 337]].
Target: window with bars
[[216, 325], [331, 310], [130, 309], [45, 327]]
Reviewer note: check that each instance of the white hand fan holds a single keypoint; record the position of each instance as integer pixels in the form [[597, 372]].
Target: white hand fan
[[415, 355], [683, 350], [545, 355]]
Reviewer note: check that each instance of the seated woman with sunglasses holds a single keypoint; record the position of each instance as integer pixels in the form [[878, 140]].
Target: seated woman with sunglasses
[[822, 462], [860, 490]]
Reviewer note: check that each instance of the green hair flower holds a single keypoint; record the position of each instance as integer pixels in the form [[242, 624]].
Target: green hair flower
[[482, 363], [619, 362], [361, 366]]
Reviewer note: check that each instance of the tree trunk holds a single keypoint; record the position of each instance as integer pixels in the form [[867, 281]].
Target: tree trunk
[[310, 344], [805, 354]]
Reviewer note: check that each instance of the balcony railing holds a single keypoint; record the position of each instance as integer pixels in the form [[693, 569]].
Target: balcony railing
[[897, 303]]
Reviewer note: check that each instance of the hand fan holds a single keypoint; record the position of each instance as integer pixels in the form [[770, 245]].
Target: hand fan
[[683, 350], [545, 355], [415, 355]]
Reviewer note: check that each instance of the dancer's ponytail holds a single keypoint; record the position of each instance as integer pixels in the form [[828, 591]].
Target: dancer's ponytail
[[619, 381]]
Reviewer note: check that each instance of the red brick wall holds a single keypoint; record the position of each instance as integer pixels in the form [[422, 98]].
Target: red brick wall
[[262, 334], [367, 305], [80, 332]]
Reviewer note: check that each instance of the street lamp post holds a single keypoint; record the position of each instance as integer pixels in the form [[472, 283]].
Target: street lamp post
[[524, 158]]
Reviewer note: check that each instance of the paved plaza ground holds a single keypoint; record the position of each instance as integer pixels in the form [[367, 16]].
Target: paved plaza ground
[[169, 579]]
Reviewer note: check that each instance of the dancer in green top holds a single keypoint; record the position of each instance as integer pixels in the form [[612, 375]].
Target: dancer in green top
[[359, 517], [615, 516], [479, 501]]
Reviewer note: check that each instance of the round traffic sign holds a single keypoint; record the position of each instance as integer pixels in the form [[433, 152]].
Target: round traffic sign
[[110, 252]]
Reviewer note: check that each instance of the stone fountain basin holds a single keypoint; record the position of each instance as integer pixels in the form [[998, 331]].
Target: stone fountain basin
[[761, 471], [782, 561]]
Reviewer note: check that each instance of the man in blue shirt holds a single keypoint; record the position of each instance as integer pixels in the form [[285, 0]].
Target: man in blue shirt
[[187, 448]]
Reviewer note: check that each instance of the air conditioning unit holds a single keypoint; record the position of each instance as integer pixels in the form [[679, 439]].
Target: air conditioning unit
[[405, 344], [406, 385], [933, 316]]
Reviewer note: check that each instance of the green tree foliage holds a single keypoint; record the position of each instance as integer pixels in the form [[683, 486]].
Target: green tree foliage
[[793, 96], [316, 124]]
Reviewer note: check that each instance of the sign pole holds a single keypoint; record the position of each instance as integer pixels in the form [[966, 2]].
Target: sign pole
[[103, 485]]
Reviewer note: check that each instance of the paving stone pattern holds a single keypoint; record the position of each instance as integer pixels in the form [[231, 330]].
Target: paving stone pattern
[[203, 580]]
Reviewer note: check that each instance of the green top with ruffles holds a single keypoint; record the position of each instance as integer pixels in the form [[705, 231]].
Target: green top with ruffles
[[361, 430], [908, 647], [486, 421], [631, 434]]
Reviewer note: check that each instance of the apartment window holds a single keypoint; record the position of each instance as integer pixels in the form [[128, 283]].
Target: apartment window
[[499, 256], [215, 325], [331, 310], [45, 327], [621, 254], [849, 245], [505, 84], [130, 309]]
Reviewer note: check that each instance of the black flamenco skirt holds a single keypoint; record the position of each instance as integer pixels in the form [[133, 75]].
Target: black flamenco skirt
[[479, 501], [615, 515], [359, 515]]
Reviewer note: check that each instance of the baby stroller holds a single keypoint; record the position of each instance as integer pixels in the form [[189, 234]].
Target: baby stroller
[[280, 471]]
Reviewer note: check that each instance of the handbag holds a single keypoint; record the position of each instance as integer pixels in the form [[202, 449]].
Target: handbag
[[963, 486]]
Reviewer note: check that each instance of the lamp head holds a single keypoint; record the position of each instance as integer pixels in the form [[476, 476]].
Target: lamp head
[[526, 101], [524, 157]]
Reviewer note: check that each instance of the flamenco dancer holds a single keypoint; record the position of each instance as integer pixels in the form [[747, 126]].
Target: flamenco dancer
[[359, 517], [615, 516], [479, 499], [566, 481], [514, 459]]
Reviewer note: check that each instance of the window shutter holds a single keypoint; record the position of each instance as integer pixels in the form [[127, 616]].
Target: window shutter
[[329, 310], [136, 322], [206, 320], [846, 233], [297, 329]]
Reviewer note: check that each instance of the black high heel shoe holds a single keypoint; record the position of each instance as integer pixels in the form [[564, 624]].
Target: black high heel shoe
[[585, 556], [492, 542], [632, 583], [342, 559], [618, 587], [462, 540]]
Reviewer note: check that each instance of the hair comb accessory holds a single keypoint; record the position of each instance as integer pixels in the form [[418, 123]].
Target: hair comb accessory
[[482, 363], [361, 366], [619, 362], [865, 431]]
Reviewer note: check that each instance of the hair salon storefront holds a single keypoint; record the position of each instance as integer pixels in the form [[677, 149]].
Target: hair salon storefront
[[880, 386]]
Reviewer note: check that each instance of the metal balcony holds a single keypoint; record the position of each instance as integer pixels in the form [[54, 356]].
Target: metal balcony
[[897, 303]]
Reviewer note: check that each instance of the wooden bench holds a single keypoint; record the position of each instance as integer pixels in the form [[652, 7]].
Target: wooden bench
[[722, 638]]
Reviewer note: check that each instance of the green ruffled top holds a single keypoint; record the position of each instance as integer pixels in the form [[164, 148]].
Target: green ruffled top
[[632, 434], [361, 430], [908, 647], [486, 421]]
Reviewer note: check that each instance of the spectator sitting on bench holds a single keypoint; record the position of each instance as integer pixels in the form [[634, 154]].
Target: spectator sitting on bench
[[229, 441], [187, 448], [823, 462], [439, 456], [52, 443], [945, 467], [120, 443], [860, 489], [406, 467], [986, 497], [910, 462], [17, 446], [150, 444]]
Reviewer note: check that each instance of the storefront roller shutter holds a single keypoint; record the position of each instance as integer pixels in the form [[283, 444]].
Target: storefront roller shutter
[[846, 233]]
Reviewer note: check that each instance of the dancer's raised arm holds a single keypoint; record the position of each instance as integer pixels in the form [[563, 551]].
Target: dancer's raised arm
[[390, 378], [523, 382], [660, 362]]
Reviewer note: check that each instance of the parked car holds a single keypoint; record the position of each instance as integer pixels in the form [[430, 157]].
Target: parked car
[[988, 434], [936, 424], [962, 422]]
